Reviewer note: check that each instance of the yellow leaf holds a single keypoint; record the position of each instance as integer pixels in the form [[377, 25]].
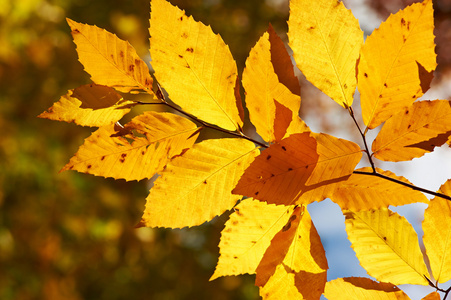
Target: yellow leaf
[[326, 40], [337, 158], [109, 60], [196, 186], [295, 253], [362, 288], [89, 105], [364, 191], [432, 296], [194, 66], [414, 131], [386, 246], [263, 87], [108, 152], [287, 284], [247, 235], [437, 235], [391, 61], [285, 169]]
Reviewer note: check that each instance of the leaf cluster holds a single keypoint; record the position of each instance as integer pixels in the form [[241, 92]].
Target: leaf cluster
[[269, 184]]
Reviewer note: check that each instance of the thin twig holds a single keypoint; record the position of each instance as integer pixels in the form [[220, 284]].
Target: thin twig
[[351, 113]]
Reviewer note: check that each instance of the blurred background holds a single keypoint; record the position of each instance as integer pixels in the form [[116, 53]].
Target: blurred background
[[70, 235]]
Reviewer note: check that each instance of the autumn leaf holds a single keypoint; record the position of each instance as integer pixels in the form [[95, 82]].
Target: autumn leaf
[[362, 288], [284, 170], [295, 261], [196, 186], [128, 156], [386, 246], [194, 66], [326, 39], [363, 191], [109, 60], [89, 105], [414, 131], [432, 296], [263, 87], [391, 61], [247, 234], [437, 235]]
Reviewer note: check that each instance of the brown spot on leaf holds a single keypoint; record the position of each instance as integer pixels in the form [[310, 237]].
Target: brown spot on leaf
[[290, 169], [181, 56], [256, 193], [311, 28], [385, 84], [385, 238], [76, 31], [235, 257], [102, 158], [190, 49], [131, 68], [345, 86], [283, 148], [184, 35], [403, 22], [408, 127], [181, 18], [365, 74], [235, 222], [268, 157], [205, 182], [121, 54], [89, 166]]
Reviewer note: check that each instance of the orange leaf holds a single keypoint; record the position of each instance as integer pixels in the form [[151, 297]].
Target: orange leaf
[[432, 296], [392, 60], [89, 105], [362, 288], [282, 121], [326, 39], [110, 153], [109, 60], [279, 173], [263, 87], [364, 191], [414, 132], [437, 235], [194, 66]]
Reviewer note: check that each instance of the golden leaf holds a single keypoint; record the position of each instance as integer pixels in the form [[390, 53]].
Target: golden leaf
[[196, 186], [109, 60], [414, 131], [89, 105], [326, 40], [391, 61], [194, 66], [432, 296], [362, 288], [263, 87], [247, 235], [122, 154], [295, 253], [386, 246], [437, 235], [364, 191]]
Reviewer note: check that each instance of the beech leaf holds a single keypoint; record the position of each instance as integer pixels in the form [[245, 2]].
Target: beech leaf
[[194, 66], [362, 288], [414, 131], [109, 60], [388, 70], [89, 105], [386, 246], [196, 186], [326, 39], [124, 155], [437, 235]]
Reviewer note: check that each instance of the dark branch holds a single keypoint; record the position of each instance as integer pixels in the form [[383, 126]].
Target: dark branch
[[351, 113]]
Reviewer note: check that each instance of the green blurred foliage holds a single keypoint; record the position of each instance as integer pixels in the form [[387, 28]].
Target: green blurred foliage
[[70, 235]]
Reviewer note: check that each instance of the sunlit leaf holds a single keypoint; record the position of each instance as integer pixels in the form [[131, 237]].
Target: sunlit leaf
[[414, 131], [89, 105], [109, 60], [263, 87], [437, 235], [193, 65], [126, 155], [196, 186], [395, 61], [432, 296], [326, 39], [386, 246], [298, 250], [247, 235], [365, 191], [362, 288]]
